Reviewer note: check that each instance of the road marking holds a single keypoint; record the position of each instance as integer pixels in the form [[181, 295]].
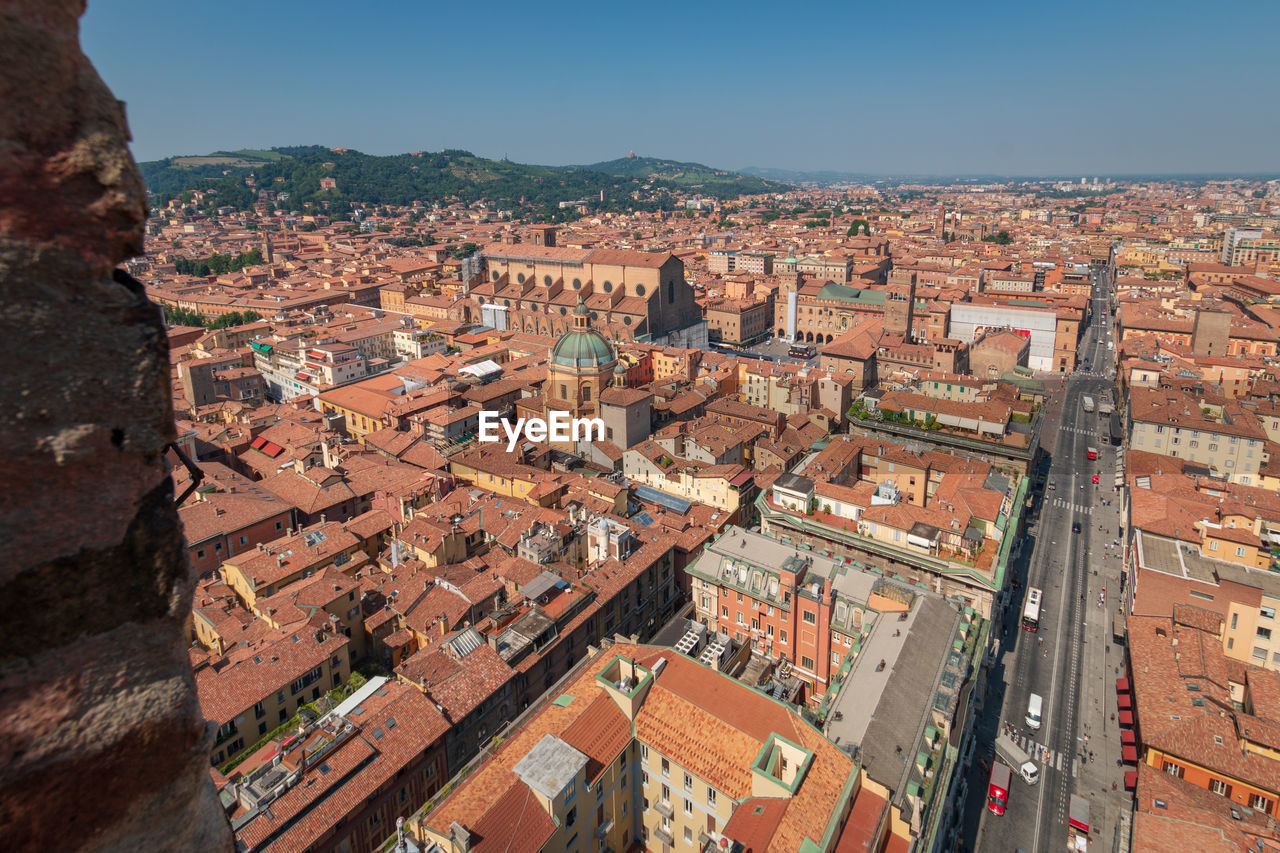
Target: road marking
[[1072, 583]]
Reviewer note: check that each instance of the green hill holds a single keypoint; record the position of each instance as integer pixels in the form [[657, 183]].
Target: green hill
[[688, 176], [445, 176]]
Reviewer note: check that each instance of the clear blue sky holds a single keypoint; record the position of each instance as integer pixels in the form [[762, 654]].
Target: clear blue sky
[[940, 88]]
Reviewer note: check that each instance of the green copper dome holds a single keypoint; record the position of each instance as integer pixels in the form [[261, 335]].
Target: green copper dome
[[582, 349]]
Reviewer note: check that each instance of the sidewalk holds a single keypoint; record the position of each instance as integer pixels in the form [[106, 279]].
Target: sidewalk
[[1101, 779]]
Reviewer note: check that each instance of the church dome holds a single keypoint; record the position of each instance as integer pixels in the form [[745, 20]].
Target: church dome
[[582, 347]]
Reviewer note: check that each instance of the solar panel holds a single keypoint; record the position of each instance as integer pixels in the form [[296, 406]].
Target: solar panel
[[653, 496]]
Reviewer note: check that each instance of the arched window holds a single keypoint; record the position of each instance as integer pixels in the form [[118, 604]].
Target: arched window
[[671, 291]]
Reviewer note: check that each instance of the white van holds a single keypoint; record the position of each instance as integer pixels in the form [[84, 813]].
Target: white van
[[1034, 707]]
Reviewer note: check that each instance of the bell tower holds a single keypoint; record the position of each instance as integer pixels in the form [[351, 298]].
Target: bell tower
[[899, 306]]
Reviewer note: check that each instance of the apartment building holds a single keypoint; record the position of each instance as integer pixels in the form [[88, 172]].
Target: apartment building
[[293, 368], [228, 516], [1203, 428], [1199, 720], [739, 321], [273, 566], [261, 683], [388, 737], [824, 268], [782, 602], [645, 747], [928, 517], [1167, 571], [729, 488]]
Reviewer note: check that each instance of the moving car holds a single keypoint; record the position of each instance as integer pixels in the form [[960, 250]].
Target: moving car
[[1035, 705], [1075, 527]]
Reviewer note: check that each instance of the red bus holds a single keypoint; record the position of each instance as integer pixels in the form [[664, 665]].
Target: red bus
[[998, 789], [1091, 453]]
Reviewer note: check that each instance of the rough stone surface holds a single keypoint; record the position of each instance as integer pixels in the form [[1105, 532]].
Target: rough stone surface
[[102, 744]]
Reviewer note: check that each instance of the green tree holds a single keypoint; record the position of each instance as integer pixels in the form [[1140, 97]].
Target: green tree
[[234, 318], [182, 317]]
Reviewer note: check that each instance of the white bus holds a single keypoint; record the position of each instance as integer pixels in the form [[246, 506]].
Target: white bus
[[1031, 611]]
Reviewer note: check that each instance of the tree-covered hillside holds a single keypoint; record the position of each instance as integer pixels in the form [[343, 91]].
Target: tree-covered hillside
[[444, 176], [690, 177]]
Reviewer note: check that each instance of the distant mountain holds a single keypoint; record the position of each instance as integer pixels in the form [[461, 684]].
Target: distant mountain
[[688, 176], [236, 177]]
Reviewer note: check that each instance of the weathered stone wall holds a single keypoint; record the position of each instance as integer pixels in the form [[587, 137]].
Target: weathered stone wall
[[102, 744]]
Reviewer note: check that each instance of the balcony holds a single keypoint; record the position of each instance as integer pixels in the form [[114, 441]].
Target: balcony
[[663, 807], [604, 829], [664, 836]]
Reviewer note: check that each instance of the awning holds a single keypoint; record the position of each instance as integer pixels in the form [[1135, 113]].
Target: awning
[[1122, 684], [1078, 813], [1131, 779], [1123, 700], [1126, 718], [1127, 736], [1129, 754]]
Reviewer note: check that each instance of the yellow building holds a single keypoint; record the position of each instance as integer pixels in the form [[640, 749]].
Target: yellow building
[[496, 472], [647, 747], [270, 568], [258, 687]]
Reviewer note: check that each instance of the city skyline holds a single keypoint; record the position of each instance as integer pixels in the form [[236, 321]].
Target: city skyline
[[940, 93]]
